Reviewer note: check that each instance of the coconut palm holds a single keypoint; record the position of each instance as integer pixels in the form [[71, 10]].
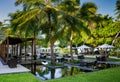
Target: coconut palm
[[88, 14], [72, 24], [117, 22], [116, 31], [40, 16]]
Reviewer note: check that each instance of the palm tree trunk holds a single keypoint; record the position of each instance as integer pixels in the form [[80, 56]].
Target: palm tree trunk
[[34, 43], [115, 37], [35, 56], [52, 52], [72, 59], [51, 42]]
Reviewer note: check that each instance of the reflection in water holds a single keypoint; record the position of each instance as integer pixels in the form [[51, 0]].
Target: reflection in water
[[72, 69], [52, 73], [44, 73]]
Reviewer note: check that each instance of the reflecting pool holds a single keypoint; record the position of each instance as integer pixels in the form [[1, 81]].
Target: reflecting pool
[[45, 73]]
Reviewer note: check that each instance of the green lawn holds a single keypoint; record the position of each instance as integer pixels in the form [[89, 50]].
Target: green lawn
[[19, 77], [109, 75]]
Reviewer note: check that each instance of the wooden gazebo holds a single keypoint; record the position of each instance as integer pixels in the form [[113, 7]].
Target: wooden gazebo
[[16, 44]]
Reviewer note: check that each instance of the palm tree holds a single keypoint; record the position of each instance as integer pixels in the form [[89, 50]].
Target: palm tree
[[117, 22], [116, 32], [40, 16], [72, 24], [91, 19], [88, 14]]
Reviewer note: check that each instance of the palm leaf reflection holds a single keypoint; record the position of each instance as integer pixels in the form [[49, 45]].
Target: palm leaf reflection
[[43, 70]]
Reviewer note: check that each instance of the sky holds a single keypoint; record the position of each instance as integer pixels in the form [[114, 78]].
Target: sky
[[7, 7], [104, 7]]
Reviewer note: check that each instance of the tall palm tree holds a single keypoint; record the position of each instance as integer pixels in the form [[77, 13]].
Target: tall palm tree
[[88, 14], [72, 24], [116, 31], [40, 15], [91, 19], [117, 22]]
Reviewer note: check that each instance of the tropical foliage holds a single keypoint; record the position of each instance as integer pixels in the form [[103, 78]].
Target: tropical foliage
[[68, 21]]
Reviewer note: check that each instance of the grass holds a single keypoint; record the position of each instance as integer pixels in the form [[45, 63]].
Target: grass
[[19, 77], [109, 75], [113, 60]]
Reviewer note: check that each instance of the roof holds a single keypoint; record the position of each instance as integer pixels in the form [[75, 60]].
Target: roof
[[15, 40]]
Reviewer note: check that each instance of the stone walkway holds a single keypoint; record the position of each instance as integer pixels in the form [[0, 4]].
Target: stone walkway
[[4, 69]]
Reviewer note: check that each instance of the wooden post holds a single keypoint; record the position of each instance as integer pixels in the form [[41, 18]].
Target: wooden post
[[32, 50], [17, 50], [12, 49], [32, 58], [7, 50], [1, 49], [20, 51], [25, 50]]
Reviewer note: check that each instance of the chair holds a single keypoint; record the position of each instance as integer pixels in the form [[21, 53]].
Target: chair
[[62, 59], [98, 58], [12, 62], [81, 60], [103, 58], [81, 57]]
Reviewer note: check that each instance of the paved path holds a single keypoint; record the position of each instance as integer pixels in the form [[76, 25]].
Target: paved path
[[4, 69]]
